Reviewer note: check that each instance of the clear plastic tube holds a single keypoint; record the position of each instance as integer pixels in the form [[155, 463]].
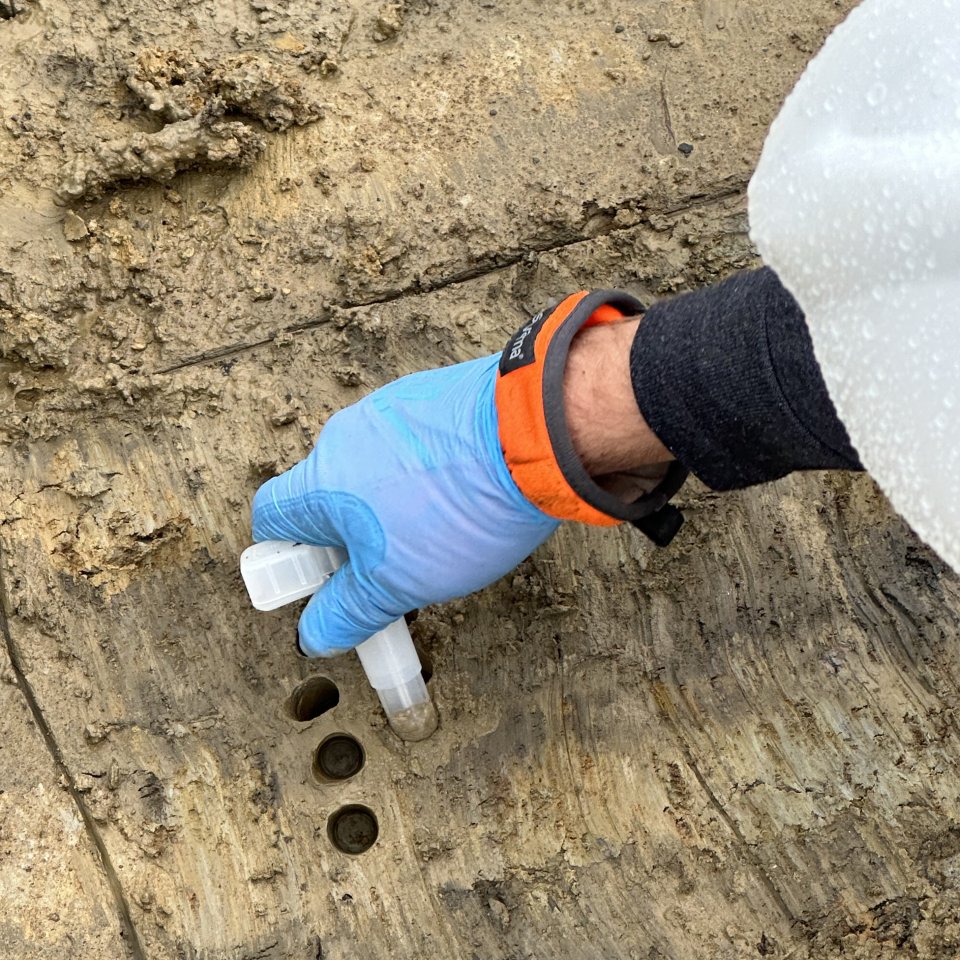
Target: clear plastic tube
[[393, 668], [277, 572]]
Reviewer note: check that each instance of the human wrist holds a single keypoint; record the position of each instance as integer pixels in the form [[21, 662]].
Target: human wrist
[[535, 437], [608, 430]]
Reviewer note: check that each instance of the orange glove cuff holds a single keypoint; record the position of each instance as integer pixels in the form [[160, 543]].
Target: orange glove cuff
[[533, 428]]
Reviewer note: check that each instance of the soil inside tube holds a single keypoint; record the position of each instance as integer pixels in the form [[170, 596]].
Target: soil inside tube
[[415, 723]]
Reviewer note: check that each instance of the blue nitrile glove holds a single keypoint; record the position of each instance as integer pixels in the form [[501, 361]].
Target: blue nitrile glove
[[440, 483], [410, 480]]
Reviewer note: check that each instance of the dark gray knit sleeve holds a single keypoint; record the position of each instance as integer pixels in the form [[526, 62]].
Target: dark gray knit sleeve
[[727, 379]]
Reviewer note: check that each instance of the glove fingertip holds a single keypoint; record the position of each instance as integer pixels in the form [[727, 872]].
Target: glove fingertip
[[308, 645], [341, 615], [324, 631]]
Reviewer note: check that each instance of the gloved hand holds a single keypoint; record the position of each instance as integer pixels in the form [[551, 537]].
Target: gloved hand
[[412, 482], [441, 482]]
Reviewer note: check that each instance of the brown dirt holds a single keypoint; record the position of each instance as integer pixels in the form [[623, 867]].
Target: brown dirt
[[744, 745]]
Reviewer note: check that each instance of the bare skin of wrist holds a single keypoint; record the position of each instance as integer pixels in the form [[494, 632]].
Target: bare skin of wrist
[[605, 423]]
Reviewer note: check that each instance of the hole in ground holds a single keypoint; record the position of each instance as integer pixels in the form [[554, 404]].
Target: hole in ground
[[312, 699], [353, 829], [339, 757], [426, 664]]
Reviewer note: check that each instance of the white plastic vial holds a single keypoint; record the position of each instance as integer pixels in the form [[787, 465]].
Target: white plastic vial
[[277, 572]]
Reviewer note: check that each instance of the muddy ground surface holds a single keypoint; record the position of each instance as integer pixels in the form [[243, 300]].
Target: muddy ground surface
[[219, 223]]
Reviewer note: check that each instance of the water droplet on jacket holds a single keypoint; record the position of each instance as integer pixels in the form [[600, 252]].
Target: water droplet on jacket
[[870, 138], [877, 94]]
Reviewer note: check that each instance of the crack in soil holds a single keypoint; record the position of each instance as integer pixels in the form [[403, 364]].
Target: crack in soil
[[745, 848], [127, 927], [483, 269]]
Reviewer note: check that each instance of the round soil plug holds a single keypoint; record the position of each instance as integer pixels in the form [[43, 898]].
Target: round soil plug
[[353, 829], [339, 757]]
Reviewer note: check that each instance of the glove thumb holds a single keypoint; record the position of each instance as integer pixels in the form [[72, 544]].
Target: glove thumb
[[341, 614]]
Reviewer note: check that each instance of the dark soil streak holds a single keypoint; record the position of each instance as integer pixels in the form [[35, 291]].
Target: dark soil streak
[[127, 926], [483, 269]]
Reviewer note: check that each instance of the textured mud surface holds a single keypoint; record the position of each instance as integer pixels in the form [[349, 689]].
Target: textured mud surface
[[745, 745]]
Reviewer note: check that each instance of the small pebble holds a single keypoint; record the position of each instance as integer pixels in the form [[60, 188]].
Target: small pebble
[[74, 227], [619, 28], [686, 149]]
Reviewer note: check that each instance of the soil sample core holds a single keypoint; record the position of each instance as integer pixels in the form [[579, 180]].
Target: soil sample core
[[339, 757], [353, 829], [415, 723]]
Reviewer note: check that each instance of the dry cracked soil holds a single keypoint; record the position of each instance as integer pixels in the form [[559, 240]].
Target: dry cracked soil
[[222, 221]]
